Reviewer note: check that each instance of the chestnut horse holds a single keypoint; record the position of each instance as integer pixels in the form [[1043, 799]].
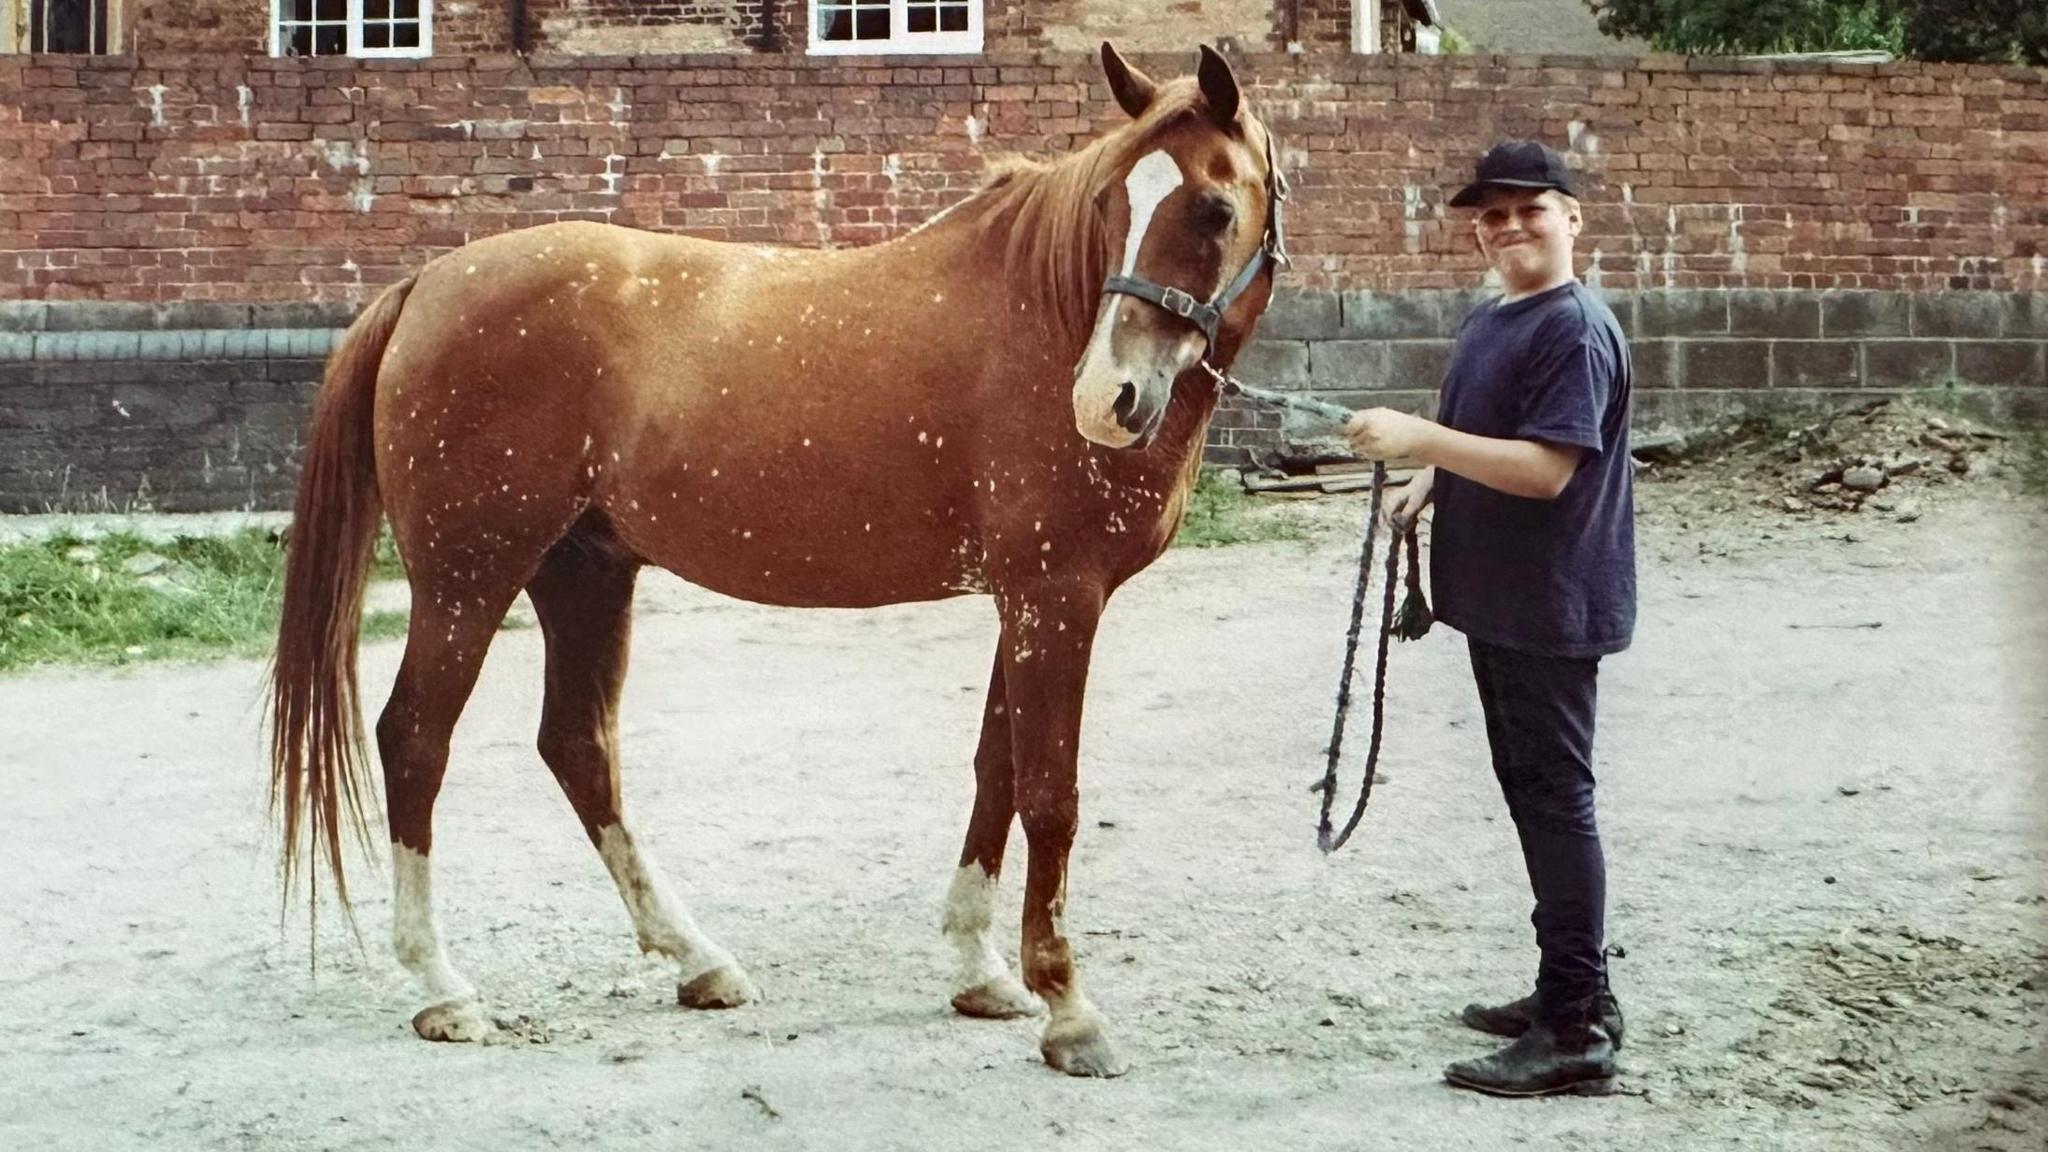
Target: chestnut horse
[[1007, 401]]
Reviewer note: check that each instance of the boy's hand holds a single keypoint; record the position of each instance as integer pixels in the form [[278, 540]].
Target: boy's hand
[[1383, 434], [1409, 502]]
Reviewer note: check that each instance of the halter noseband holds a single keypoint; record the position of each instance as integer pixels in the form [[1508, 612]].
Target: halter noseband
[[1208, 315]]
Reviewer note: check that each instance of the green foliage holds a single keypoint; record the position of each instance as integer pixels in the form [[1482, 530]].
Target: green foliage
[[1735, 27], [1221, 512], [67, 600], [1453, 42], [386, 565], [1983, 31]]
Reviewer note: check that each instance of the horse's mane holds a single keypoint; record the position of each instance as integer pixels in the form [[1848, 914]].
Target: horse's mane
[[1043, 214]]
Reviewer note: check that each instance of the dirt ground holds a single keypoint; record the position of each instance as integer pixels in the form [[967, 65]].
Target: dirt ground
[[1822, 792]]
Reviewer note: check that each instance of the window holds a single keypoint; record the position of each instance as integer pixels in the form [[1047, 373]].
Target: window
[[352, 28], [1365, 26], [1395, 26], [849, 27], [83, 26]]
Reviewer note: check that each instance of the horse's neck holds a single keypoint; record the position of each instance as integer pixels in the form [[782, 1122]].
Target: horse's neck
[[1046, 296], [1185, 430]]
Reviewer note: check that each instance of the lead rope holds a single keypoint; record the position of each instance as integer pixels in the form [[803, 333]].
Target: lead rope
[[1412, 622]]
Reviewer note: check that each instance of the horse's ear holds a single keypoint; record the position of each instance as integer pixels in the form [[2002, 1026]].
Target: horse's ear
[[1133, 89], [1219, 86]]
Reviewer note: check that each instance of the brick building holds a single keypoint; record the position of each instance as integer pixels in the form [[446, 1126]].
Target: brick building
[[184, 222], [419, 28]]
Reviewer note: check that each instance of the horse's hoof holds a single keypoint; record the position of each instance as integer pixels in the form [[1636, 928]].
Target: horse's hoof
[[1000, 998], [724, 987], [1078, 1046], [452, 1021]]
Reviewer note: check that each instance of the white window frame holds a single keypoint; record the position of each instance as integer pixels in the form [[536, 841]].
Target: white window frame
[[14, 29], [900, 42], [1365, 26], [355, 47]]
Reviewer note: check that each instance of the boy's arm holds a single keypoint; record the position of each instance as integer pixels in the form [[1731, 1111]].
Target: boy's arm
[[1536, 469]]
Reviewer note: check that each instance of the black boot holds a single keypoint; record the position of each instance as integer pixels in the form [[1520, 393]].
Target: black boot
[[1514, 1017], [1551, 1057], [1509, 1019]]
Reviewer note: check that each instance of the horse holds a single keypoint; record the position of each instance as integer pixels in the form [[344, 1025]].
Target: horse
[[1009, 401]]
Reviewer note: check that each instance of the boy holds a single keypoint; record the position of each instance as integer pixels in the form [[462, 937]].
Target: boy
[[1533, 559]]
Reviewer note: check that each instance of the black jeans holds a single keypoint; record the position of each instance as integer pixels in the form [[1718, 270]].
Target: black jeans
[[1539, 723]]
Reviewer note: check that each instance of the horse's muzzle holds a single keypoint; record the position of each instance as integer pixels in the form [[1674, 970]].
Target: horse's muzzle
[[1137, 414]]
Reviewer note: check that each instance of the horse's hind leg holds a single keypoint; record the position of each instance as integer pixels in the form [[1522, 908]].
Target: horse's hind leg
[[583, 595], [445, 643], [986, 987]]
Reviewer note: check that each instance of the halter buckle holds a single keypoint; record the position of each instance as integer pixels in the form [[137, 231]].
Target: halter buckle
[[1178, 302]]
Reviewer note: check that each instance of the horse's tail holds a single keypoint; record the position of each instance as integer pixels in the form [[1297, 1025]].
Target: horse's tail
[[316, 724]]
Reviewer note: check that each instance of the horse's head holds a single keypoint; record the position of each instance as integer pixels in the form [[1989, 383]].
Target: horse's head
[[1190, 215]]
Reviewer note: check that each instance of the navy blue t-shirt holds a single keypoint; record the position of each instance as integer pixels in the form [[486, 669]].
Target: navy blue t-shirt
[[1550, 577]]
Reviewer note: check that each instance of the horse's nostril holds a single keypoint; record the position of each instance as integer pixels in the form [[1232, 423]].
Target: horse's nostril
[[1126, 402]]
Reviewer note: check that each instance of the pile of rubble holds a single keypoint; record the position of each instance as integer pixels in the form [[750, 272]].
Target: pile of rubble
[[1884, 456], [1877, 456]]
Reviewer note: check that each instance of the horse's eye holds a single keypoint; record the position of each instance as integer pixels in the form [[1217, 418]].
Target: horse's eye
[[1215, 211]]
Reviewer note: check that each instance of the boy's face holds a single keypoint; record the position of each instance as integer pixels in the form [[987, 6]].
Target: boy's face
[[1527, 235]]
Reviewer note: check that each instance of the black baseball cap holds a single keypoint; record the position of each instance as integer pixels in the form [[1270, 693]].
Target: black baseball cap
[[1515, 164]]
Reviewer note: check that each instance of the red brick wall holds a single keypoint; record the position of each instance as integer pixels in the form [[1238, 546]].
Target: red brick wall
[[197, 26], [1320, 25], [240, 27], [1021, 25], [476, 27], [646, 26], [571, 27], [237, 27], [251, 179], [1133, 25]]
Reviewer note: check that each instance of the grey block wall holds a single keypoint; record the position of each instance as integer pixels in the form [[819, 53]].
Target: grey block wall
[[168, 408], [203, 407], [1698, 354]]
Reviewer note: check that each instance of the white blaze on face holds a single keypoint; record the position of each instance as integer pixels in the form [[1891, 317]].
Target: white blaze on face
[[1099, 376], [1153, 178], [413, 934]]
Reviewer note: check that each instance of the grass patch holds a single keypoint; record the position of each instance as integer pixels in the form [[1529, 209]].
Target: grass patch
[[121, 599], [1220, 512], [386, 566]]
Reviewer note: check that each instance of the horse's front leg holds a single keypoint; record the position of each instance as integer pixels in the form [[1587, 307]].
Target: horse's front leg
[[1048, 631], [986, 988]]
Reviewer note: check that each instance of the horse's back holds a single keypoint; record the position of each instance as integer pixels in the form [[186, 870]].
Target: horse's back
[[700, 395]]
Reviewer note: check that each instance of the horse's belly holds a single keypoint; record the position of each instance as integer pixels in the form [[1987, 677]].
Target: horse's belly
[[808, 557]]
